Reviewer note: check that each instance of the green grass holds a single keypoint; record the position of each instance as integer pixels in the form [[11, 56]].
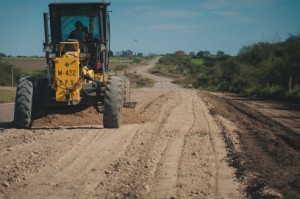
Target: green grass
[[24, 58], [120, 67], [35, 73], [197, 61], [120, 59], [127, 60], [7, 96]]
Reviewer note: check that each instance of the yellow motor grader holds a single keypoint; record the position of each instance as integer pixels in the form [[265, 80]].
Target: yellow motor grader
[[77, 54]]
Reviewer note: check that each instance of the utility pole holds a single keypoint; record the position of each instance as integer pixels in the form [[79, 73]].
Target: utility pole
[[12, 76]]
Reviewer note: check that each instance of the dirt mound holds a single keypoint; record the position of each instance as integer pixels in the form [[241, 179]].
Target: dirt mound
[[77, 116], [90, 115]]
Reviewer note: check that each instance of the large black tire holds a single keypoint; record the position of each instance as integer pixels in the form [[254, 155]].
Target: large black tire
[[24, 103], [126, 89], [113, 103]]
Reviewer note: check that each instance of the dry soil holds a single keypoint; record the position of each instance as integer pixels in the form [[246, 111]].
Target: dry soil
[[176, 143]]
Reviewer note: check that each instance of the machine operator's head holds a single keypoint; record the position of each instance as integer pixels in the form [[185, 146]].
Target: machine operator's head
[[78, 24]]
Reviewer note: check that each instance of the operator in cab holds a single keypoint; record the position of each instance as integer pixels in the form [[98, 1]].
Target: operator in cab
[[79, 33]]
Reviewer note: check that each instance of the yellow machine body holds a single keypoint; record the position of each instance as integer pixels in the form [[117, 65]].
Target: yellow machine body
[[67, 73]]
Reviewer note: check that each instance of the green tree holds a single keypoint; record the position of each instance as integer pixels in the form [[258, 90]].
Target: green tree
[[2, 55], [220, 53], [140, 54], [192, 54], [202, 54], [127, 53]]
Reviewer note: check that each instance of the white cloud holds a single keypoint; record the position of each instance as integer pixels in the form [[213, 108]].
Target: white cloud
[[215, 4], [174, 27], [141, 9], [234, 15], [155, 12], [227, 13], [175, 13], [233, 4], [233, 9]]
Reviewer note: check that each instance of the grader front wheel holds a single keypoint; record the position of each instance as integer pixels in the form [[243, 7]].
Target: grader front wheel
[[23, 103], [113, 103]]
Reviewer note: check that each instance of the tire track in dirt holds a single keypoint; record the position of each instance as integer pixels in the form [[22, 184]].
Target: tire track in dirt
[[203, 169], [158, 142], [141, 159], [197, 168], [165, 185], [211, 138], [172, 157], [76, 174], [24, 153]]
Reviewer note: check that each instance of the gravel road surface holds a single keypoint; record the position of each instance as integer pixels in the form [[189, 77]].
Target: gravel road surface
[[176, 143]]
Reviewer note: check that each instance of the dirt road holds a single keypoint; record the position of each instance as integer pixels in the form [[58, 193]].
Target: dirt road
[[174, 144], [176, 152]]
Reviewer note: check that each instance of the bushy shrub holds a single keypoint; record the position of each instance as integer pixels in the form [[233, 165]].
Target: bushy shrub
[[121, 67], [273, 92], [253, 90], [201, 82], [223, 86], [137, 60], [294, 95], [209, 63]]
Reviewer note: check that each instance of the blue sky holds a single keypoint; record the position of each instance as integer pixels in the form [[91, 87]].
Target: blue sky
[[162, 26]]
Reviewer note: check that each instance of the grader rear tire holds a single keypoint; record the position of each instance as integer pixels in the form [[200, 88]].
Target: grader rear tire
[[24, 103], [113, 103]]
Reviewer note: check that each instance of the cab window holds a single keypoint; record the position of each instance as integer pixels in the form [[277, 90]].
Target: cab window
[[90, 24]]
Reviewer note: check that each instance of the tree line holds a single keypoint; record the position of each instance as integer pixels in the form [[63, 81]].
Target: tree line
[[126, 53], [3, 55], [206, 53], [264, 69]]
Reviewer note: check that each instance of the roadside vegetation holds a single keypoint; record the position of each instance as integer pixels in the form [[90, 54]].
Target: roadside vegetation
[[125, 61], [9, 76], [7, 95], [264, 69], [8, 73]]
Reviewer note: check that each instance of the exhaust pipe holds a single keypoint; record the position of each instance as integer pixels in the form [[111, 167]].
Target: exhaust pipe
[[46, 28], [46, 47]]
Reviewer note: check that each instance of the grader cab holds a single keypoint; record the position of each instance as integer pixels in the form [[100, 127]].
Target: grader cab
[[77, 55]]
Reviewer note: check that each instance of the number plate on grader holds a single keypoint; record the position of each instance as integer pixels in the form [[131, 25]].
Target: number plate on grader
[[67, 79]]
